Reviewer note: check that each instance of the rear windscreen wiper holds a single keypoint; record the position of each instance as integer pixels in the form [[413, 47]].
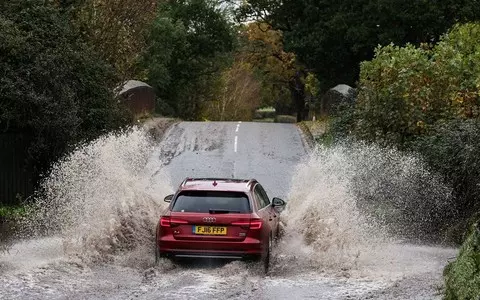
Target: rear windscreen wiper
[[223, 211]]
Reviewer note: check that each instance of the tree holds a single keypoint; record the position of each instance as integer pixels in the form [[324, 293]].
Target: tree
[[331, 38], [405, 91], [54, 91], [189, 45], [283, 78], [117, 29], [238, 95]]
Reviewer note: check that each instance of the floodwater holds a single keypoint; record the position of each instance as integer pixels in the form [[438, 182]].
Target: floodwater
[[92, 234]]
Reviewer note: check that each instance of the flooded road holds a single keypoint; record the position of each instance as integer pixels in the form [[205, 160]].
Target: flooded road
[[102, 204]]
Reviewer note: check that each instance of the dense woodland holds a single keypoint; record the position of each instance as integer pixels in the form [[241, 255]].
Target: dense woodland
[[415, 65]]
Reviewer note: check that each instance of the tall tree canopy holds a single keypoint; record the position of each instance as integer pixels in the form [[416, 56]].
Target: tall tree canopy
[[188, 46], [333, 37], [54, 90], [262, 47]]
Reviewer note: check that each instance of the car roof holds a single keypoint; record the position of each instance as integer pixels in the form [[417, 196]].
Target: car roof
[[217, 184]]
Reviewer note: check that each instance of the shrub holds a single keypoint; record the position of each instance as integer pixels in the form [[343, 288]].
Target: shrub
[[53, 90], [11, 212], [427, 99], [405, 90], [462, 277], [453, 149], [342, 122], [394, 100]]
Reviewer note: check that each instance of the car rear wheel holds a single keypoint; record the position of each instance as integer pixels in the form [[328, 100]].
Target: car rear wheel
[[266, 258], [157, 254]]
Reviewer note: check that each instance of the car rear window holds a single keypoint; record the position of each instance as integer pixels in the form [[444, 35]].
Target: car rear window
[[207, 201]]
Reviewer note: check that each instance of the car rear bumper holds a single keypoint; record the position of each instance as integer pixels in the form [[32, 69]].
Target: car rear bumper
[[247, 249], [210, 255]]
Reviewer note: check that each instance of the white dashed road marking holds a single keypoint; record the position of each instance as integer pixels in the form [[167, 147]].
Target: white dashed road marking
[[236, 137]]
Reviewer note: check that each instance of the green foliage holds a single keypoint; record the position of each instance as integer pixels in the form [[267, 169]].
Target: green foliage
[[405, 91], [12, 212], [453, 149], [426, 99], [340, 123], [462, 277], [188, 47], [333, 37], [53, 89], [312, 85], [457, 61], [395, 95], [116, 29]]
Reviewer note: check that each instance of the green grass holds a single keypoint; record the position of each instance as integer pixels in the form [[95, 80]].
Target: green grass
[[462, 276]]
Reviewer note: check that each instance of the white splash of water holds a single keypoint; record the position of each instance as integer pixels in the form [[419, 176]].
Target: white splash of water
[[349, 201], [104, 197]]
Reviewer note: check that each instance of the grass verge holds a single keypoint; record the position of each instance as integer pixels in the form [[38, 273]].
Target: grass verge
[[462, 276]]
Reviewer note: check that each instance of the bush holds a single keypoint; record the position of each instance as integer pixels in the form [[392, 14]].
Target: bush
[[405, 90], [427, 99], [393, 95], [11, 212], [53, 90], [285, 119], [342, 122], [462, 277], [453, 149]]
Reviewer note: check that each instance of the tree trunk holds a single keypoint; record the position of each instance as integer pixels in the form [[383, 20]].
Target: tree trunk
[[297, 89]]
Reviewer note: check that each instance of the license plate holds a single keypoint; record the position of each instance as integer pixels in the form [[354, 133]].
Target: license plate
[[210, 230]]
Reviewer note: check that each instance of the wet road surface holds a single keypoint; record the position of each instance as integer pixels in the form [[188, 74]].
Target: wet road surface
[[43, 268]]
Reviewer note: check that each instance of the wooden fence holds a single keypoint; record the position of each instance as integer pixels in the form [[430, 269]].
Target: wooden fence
[[15, 175]]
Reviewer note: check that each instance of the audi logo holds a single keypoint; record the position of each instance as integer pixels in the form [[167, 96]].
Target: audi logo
[[209, 220]]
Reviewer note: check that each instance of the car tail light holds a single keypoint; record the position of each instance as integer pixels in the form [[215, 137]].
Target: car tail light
[[168, 222], [243, 225], [256, 224], [165, 221], [252, 224]]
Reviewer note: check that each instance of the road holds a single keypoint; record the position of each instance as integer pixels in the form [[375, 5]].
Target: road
[[50, 268]]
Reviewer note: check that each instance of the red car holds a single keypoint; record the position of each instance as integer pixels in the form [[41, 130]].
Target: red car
[[219, 218]]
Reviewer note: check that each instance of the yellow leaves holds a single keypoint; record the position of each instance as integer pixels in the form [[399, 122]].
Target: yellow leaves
[[421, 124], [265, 50], [466, 103], [459, 99]]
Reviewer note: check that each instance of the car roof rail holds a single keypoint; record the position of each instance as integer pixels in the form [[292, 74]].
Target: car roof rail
[[184, 182], [251, 181], [247, 181]]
